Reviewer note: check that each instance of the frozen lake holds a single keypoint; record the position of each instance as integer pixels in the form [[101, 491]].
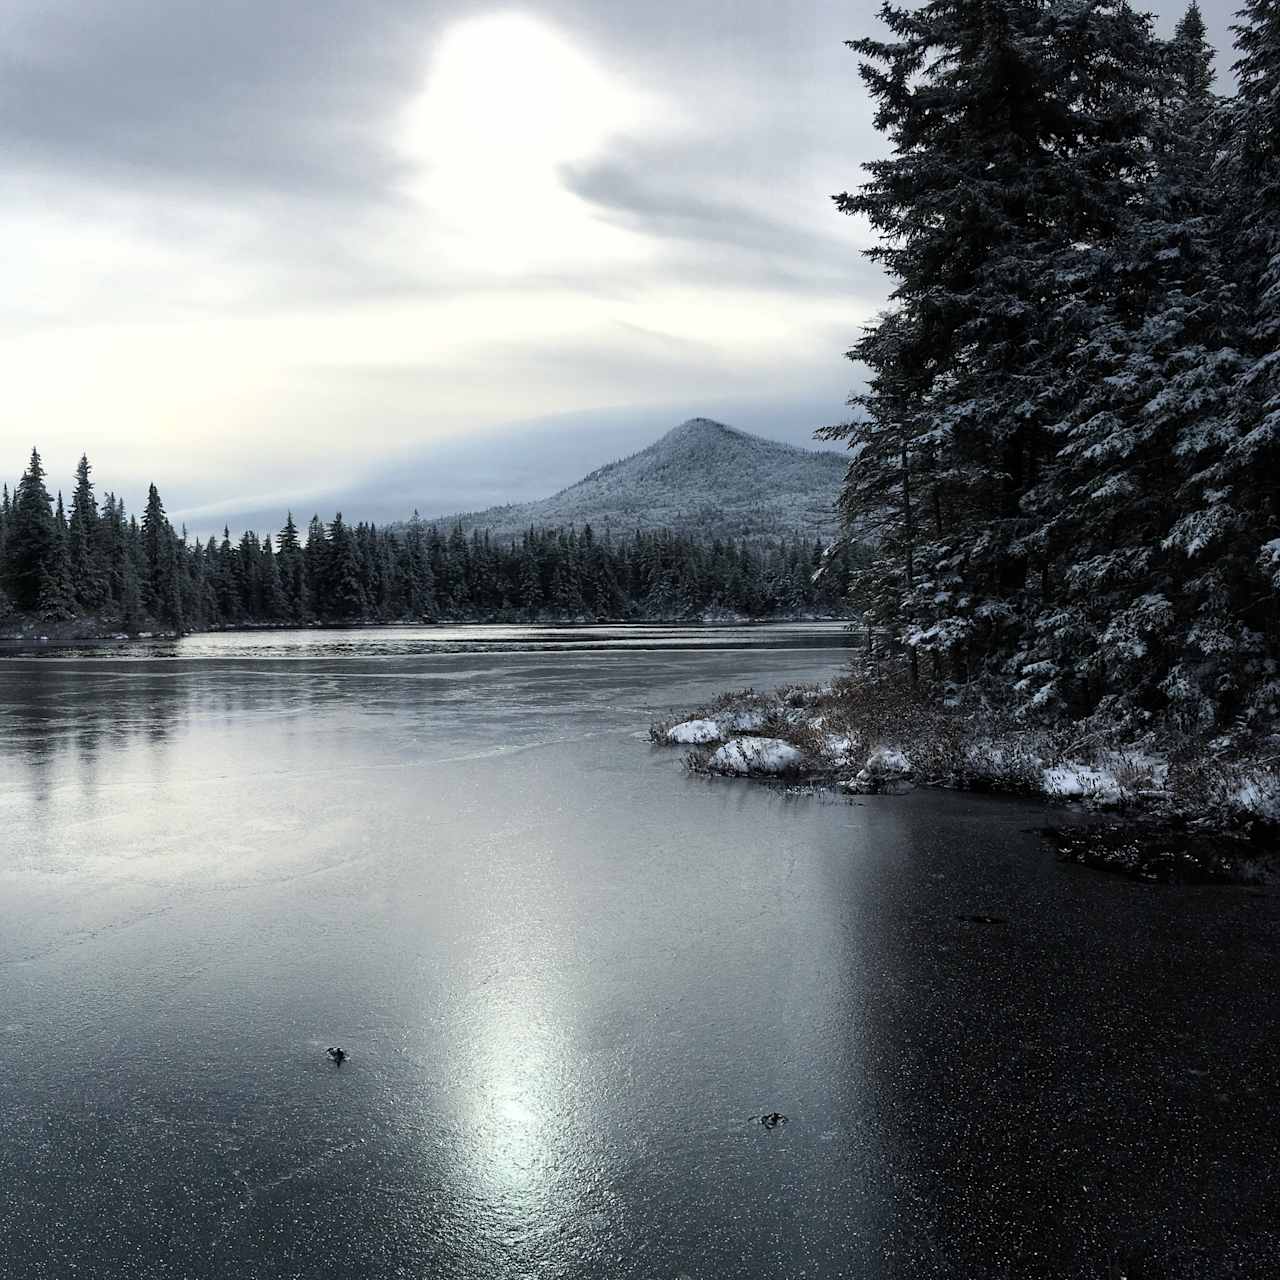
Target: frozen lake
[[568, 975]]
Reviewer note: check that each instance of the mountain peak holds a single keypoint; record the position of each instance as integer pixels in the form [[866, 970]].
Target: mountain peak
[[698, 427], [701, 477]]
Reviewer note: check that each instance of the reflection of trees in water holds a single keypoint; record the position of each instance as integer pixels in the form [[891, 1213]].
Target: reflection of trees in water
[[51, 711], [54, 714], [32, 726]]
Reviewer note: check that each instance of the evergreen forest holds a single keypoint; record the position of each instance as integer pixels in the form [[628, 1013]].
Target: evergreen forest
[[1066, 456], [97, 564]]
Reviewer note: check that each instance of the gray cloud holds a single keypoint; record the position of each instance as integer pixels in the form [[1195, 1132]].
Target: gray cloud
[[252, 94], [287, 96], [205, 210], [719, 237]]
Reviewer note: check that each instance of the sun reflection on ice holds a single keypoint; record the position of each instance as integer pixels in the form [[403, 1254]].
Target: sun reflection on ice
[[528, 1162]]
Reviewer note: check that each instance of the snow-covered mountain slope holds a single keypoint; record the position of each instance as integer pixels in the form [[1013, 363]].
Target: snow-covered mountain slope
[[702, 477]]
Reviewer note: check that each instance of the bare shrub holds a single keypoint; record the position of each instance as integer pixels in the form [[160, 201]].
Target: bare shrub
[[736, 699]]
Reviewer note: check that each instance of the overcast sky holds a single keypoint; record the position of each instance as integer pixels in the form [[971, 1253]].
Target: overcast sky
[[277, 254]]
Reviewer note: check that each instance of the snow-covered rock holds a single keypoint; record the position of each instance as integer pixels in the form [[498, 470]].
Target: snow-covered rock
[[757, 758], [886, 772], [695, 733]]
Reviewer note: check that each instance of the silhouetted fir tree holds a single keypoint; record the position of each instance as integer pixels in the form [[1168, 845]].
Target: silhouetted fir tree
[[248, 574], [29, 543], [274, 604], [107, 540], [566, 594], [384, 576], [529, 597], [212, 580], [84, 543], [288, 541], [111, 542], [451, 577], [600, 590], [344, 592], [293, 578], [161, 593], [1189, 57], [221, 572], [6, 605], [316, 559], [155, 535], [483, 585], [198, 606], [57, 599], [129, 568], [130, 609], [416, 571]]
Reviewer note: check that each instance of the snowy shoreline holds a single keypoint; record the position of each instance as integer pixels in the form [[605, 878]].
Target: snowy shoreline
[[839, 736]]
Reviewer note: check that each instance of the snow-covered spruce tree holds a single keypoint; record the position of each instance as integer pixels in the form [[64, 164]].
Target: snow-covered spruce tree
[[1241, 487], [1132, 621], [1018, 130]]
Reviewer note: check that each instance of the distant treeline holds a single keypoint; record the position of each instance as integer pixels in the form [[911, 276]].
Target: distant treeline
[[98, 562]]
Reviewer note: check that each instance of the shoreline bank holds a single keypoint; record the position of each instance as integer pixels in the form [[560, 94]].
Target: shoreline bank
[[36, 636], [859, 739]]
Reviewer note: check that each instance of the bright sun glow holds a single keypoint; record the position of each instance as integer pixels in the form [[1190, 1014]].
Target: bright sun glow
[[508, 103]]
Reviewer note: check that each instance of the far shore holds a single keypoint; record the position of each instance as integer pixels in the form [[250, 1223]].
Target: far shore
[[39, 636]]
